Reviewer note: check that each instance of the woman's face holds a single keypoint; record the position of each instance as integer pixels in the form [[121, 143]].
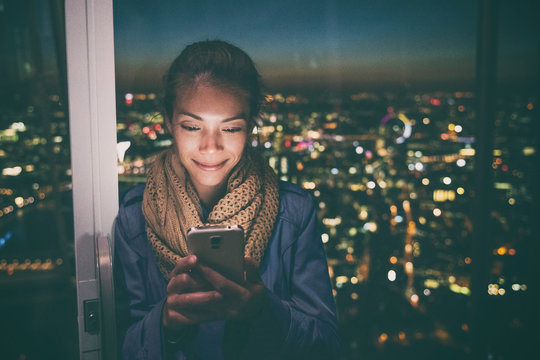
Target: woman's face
[[209, 126]]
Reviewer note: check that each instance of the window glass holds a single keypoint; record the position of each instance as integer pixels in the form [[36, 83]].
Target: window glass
[[515, 175], [371, 107], [38, 301]]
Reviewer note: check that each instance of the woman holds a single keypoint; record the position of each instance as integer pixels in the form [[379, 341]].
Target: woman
[[170, 305]]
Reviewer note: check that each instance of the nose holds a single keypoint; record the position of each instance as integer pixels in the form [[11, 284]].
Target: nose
[[211, 142]]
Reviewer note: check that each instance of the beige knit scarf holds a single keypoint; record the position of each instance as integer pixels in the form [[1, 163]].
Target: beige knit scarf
[[171, 206]]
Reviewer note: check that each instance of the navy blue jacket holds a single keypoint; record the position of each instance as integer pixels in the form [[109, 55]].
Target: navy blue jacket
[[299, 321]]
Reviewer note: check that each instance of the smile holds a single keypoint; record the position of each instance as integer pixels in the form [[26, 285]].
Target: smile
[[210, 167]]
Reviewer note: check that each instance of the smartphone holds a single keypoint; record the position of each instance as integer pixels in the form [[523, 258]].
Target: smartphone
[[219, 247]]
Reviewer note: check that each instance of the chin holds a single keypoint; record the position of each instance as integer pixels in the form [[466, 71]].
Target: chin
[[209, 181]]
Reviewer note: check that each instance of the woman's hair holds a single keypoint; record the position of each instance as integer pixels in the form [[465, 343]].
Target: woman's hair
[[214, 63]]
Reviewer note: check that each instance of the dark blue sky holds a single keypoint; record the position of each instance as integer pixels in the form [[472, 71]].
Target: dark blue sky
[[320, 42]]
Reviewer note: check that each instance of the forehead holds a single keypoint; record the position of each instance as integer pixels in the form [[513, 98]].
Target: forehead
[[211, 98]]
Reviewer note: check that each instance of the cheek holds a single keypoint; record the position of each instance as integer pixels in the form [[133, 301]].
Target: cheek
[[183, 150], [239, 146], [183, 142]]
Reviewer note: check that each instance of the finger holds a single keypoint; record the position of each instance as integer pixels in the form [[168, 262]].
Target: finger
[[173, 317], [187, 282], [185, 264], [190, 317], [194, 300]]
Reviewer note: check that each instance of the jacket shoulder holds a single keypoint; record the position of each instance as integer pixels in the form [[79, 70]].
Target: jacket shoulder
[[132, 195], [130, 217], [295, 203]]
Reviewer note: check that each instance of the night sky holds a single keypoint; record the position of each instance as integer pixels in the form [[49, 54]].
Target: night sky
[[317, 43]]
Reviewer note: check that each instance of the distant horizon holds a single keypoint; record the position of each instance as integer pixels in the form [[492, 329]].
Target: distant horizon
[[504, 86]]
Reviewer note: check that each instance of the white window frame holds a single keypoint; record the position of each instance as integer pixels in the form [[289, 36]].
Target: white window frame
[[92, 116]]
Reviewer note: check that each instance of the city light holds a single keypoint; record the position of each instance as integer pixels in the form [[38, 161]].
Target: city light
[[370, 226], [332, 221], [467, 152], [129, 99], [18, 126], [382, 338], [431, 283], [325, 238], [529, 150], [409, 267], [310, 185], [363, 215], [13, 171], [19, 201], [444, 195]]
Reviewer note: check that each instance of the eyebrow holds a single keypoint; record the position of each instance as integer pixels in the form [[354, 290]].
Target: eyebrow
[[238, 117]]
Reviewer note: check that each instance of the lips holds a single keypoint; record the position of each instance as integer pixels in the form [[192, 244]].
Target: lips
[[210, 166]]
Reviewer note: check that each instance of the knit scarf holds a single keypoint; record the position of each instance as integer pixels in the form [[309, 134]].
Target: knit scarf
[[171, 206]]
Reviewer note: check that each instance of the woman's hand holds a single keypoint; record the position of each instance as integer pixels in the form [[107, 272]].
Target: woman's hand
[[190, 298], [238, 301]]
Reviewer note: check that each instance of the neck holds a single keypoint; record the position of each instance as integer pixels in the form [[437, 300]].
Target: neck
[[210, 195]]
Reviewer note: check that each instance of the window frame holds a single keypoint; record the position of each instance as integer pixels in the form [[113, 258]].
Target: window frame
[[92, 118]]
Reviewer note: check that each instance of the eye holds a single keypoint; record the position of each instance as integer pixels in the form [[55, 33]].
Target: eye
[[233, 129], [189, 127]]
